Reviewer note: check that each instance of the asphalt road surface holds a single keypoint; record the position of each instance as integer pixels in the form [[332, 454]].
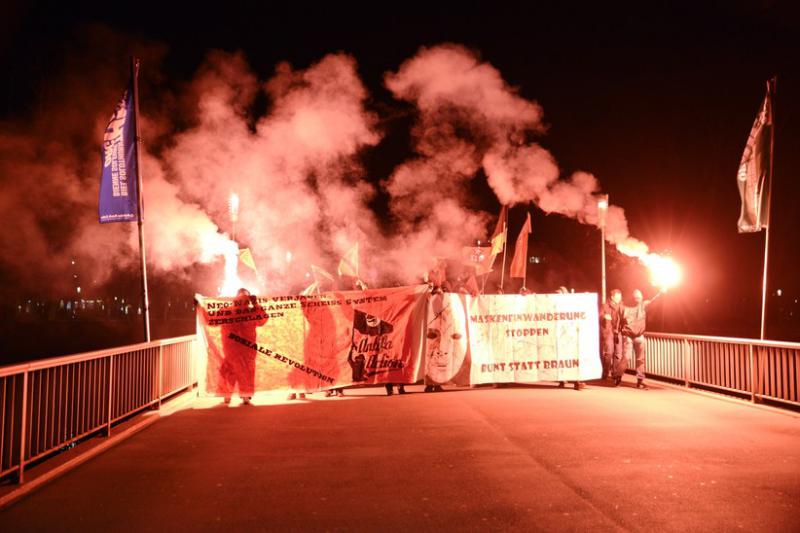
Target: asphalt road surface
[[484, 459]]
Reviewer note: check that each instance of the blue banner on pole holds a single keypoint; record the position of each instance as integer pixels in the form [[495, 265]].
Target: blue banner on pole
[[118, 187]]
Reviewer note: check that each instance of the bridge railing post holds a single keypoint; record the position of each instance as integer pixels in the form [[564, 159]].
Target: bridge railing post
[[109, 414], [685, 349], [160, 386], [23, 428], [752, 367]]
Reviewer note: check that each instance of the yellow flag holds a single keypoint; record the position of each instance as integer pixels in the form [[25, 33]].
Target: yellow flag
[[246, 257], [499, 235], [311, 289], [320, 274], [348, 266]]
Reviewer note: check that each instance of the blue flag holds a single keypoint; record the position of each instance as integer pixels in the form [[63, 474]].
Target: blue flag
[[118, 188]]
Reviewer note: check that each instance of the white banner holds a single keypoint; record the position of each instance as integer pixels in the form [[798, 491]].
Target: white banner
[[537, 337]]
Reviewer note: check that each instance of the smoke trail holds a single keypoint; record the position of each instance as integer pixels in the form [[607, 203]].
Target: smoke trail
[[471, 119], [465, 108], [295, 169]]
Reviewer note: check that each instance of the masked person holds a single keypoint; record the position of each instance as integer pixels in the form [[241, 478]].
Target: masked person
[[633, 331], [611, 321]]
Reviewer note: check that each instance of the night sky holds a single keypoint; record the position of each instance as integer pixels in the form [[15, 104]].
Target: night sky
[[655, 99]]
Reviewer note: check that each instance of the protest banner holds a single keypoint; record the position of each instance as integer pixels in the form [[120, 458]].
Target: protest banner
[[313, 342]]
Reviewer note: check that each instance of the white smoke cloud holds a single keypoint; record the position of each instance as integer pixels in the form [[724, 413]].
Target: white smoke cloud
[[297, 170]]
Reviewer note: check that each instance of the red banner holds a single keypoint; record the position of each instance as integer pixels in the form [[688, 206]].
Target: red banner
[[315, 342]]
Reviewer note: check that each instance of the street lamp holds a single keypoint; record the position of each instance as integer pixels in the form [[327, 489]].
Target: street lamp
[[602, 209]]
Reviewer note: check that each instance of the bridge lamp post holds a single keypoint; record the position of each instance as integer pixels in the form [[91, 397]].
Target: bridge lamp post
[[602, 209]]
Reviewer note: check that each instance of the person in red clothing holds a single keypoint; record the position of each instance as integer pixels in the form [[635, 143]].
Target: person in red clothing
[[239, 367], [633, 332]]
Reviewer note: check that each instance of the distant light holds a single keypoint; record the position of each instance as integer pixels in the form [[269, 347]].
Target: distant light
[[779, 292], [535, 259], [602, 203], [79, 290], [479, 242], [73, 261]]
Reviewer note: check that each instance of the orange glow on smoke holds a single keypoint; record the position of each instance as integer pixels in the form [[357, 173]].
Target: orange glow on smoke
[[232, 282]]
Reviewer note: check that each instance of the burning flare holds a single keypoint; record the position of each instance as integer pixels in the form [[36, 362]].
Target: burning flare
[[665, 272], [232, 282], [233, 206]]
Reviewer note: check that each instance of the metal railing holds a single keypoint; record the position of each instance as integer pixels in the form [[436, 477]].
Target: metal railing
[[47, 405], [760, 370]]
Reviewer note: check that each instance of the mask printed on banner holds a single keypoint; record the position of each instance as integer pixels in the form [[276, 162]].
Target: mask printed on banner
[[440, 344], [438, 360], [370, 346]]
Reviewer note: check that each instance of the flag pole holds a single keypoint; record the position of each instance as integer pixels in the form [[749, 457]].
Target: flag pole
[[140, 202], [505, 253], [771, 95], [525, 271]]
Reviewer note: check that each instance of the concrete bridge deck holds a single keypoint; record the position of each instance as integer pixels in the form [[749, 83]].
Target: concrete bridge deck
[[507, 459]]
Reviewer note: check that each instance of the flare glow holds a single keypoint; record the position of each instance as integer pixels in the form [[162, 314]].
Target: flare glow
[[232, 282], [665, 272], [233, 206]]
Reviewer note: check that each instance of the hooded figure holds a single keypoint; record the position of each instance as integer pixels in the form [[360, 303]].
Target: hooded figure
[[364, 327]]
